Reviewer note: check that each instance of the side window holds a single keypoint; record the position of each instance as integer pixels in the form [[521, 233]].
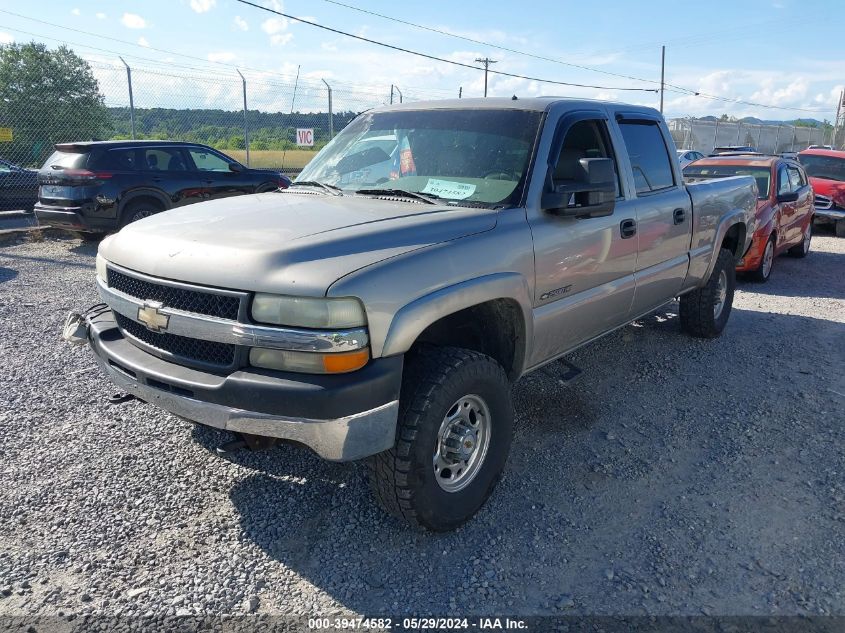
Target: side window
[[794, 179], [162, 159], [649, 157], [208, 161], [585, 139], [118, 160], [783, 181]]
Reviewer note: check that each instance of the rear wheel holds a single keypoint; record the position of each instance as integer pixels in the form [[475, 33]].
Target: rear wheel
[[803, 249], [453, 438], [139, 210], [767, 262], [704, 312]]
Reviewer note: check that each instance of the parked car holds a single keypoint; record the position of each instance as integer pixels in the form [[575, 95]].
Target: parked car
[[98, 187], [18, 187], [733, 149], [820, 147], [826, 169], [784, 218], [386, 323], [686, 156]]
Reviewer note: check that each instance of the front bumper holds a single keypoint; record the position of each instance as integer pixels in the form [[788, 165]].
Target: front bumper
[[831, 215], [754, 255], [342, 418]]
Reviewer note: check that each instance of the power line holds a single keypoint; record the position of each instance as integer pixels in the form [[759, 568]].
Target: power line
[[434, 57]]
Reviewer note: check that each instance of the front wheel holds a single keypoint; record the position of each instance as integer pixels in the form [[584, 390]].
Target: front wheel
[[767, 262], [704, 312], [453, 437]]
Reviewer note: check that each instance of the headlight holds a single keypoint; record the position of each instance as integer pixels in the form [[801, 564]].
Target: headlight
[[101, 268], [308, 362], [309, 312]]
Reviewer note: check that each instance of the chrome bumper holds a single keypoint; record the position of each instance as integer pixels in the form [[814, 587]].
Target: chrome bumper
[[342, 439], [830, 214]]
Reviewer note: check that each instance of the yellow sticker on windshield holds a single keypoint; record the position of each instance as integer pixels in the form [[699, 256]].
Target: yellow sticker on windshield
[[448, 189]]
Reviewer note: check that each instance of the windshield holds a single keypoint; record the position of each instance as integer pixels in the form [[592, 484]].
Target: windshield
[[762, 175], [825, 167], [461, 156]]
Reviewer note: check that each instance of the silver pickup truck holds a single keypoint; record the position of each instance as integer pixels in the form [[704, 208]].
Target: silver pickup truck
[[380, 308]]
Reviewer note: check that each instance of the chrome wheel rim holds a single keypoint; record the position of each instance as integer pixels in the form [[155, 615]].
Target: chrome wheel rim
[[140, 215], [721, 294], [768, 258], [462, 443]]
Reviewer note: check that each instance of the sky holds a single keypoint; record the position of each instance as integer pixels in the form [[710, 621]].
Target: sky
[[783, 56]]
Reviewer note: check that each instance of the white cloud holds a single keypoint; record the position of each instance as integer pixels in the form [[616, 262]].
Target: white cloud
[[133, 21], [143, 41], [5, 38], [241, 24], [271, 26], [101, 16], [201, 6], [280, 39], [222, 56], [75, 11]]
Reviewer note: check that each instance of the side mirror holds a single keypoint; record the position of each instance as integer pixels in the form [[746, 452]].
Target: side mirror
[[590, 194], [792, 196], [236, 167]]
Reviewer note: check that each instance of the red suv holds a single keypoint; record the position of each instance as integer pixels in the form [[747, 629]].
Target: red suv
[[784, 220], [826, 169]]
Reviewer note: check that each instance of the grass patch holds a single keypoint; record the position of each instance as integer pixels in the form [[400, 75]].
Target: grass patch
[[291, 159]]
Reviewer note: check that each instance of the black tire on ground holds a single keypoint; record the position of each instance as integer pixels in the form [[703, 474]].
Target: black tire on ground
[[761, 275], [840, 228], [91, 236], [699, 316], [135, 211], [436, 384], [802, 249]]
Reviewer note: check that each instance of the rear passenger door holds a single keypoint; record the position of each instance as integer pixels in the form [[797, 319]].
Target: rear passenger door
[[663, 211], [166, 168]]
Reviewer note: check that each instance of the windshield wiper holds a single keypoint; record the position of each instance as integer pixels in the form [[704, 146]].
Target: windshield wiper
[[332, 189], [400, 193]]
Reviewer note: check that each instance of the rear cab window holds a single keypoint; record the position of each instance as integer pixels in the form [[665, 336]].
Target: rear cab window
[[61, 159], [122, 159], [649, 156]]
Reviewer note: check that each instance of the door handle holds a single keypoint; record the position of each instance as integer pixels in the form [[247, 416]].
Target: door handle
[[628, 228], [678, 216]]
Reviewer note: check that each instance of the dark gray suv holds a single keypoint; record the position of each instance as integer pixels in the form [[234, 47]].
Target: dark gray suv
[[100, 186]]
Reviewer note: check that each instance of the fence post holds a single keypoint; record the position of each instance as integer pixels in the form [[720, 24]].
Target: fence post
[[246, 125], [716, 135], [131, 99], [738, 131], [391, 94], [792, 145], [331, 117], [777, 139], [400, 93], [759, 134]]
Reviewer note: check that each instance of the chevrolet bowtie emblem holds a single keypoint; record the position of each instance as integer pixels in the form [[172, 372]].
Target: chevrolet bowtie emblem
[[151, 316]]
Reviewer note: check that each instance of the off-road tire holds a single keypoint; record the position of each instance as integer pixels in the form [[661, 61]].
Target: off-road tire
[[696, 309], [403, 478], [839, 228], [802, 249], [760, 275], [135, 211]]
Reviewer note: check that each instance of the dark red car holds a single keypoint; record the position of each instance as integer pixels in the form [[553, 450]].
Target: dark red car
[[784, 221], [826, 169]]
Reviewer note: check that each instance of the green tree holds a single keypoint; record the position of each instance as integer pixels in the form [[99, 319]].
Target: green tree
[[48, 97]]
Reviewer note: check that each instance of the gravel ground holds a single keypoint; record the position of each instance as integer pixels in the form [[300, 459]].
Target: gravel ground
[[675, 476]]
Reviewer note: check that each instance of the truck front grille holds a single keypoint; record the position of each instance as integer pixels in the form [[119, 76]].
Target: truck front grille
[[181, 348], [178, 298]]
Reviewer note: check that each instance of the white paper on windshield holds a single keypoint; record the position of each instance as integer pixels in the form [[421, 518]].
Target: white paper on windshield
[[448, 189]]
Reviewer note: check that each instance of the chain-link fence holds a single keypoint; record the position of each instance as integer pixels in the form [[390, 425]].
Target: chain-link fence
[[252, 116], [704, 135]]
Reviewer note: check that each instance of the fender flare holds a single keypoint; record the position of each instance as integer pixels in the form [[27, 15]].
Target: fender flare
[[729, 220], [411, 320], [134, 194]]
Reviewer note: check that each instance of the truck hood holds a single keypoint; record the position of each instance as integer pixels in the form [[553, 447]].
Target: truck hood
[[288, 243]]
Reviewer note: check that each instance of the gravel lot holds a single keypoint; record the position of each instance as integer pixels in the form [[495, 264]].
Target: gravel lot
[[675, 476]]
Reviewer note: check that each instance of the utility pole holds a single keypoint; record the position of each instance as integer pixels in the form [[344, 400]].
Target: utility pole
[[836, 122], [331, 116], [460, 91], [486, 61], [391, 94], [662, 75], [246, 123]]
